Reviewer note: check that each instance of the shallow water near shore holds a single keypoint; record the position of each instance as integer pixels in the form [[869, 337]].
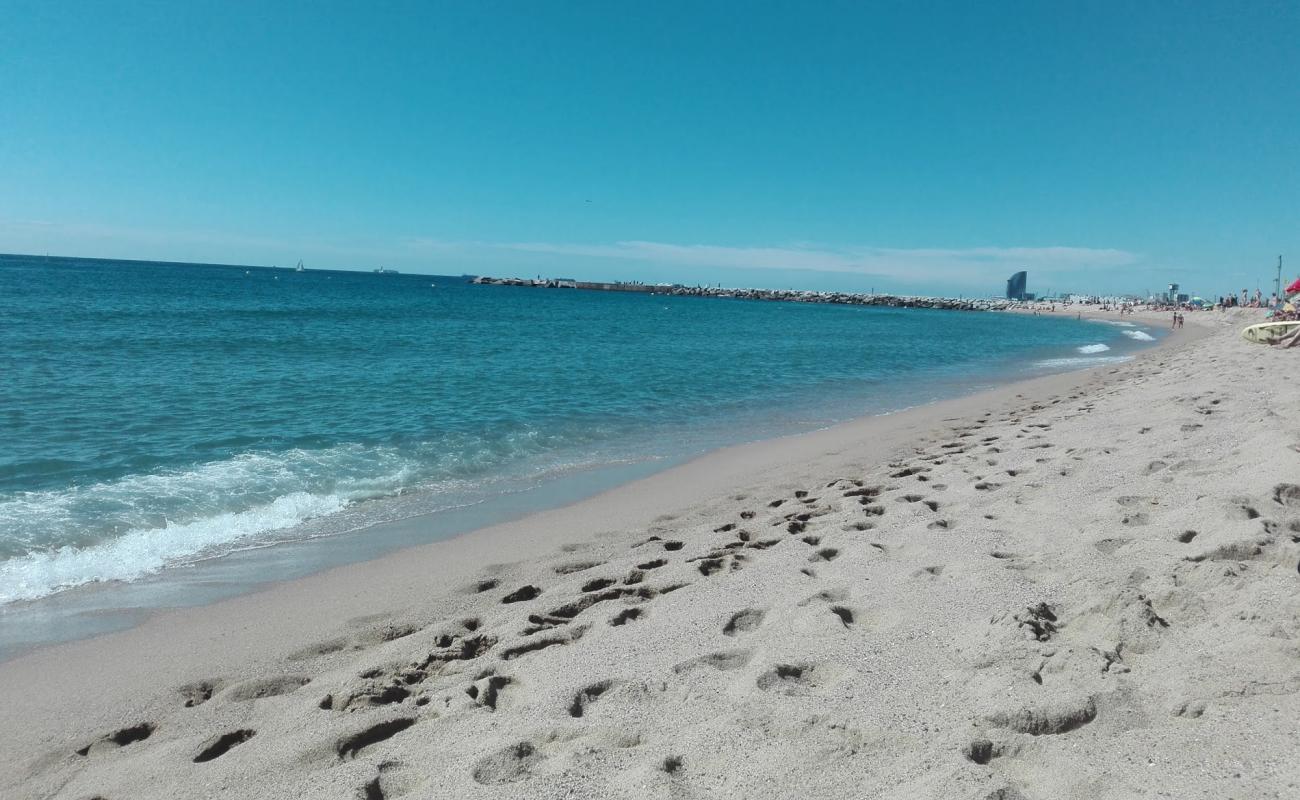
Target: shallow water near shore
[[179, 433]]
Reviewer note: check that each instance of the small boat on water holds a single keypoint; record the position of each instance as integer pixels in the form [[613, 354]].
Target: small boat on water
[[299, 267], [385, 271]]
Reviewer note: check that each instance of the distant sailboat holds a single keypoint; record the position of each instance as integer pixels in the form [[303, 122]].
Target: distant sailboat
[[299, 267]]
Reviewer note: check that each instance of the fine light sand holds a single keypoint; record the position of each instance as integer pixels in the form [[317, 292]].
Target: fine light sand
[[1075, 587]]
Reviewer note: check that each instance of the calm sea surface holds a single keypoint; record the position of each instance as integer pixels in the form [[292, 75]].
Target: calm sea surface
[[156, 416]]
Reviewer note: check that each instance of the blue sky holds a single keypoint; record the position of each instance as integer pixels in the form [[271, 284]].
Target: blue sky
[[910, 146]]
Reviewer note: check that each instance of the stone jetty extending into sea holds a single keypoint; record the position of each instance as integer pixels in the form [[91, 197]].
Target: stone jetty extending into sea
[[786, 295]]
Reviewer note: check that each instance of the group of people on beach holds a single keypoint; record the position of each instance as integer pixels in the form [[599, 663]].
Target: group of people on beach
[[1231, 301], [1178, 320], [1288, 313]]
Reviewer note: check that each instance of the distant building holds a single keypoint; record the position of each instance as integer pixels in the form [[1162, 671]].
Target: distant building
[[1016, 286]]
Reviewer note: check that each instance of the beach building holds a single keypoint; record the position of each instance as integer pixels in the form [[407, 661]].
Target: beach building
[[1016, 286]]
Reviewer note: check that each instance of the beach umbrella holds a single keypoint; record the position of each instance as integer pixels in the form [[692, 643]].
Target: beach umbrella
[[1294, 287]]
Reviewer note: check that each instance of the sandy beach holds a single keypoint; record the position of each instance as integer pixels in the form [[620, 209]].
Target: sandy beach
[[1079, 586]]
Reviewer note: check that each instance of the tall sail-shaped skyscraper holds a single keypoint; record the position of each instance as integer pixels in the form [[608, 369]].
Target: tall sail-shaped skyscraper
[[1016, 286]]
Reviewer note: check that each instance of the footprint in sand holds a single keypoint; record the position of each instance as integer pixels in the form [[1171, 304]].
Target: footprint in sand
[[625, 616], [1287, 494], [220, 745], [522, 594], [486, 690], [1109, 546], [724, 661], [507, 765], [120, 738], [845, 615], [1240, 508], [743, 622], [565, 637], [351, 745], [792, 678], [198, 692], [265, 687], [394, 780], [1049, 719], [586, 696]]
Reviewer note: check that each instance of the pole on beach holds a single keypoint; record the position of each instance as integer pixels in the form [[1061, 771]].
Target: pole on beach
[[1277, 282]]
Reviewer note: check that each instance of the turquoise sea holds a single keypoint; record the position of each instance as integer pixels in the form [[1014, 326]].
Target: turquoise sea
[[158, 418]]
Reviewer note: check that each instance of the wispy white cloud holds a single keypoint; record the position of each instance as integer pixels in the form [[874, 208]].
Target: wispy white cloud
[[700, 255], [911, 264]]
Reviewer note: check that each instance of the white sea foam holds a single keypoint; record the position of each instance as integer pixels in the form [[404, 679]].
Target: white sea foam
[[146, 550], [1080, 362], [1093, 348], [1141, 336], [133, 526], [1113, 322], [149, 500], [146, 523]]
